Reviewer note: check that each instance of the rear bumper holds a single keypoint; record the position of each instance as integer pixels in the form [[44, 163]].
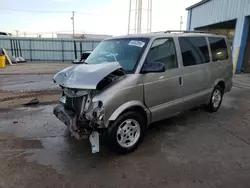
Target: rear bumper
[[228, 86]]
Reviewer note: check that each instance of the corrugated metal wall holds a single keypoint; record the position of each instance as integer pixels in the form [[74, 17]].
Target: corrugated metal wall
[[216, 11], [39, 49]]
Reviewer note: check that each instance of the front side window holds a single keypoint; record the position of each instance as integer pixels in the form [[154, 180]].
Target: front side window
[[126, 51], [163, 50], [218, 48], [194, 50]]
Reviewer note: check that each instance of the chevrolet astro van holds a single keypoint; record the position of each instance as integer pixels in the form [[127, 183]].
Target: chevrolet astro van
[[129, 82]]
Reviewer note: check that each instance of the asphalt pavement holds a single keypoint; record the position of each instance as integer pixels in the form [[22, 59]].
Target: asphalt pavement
[[194, 149]]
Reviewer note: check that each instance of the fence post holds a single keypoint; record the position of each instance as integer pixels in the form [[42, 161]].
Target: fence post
[[92, 45], [62, 51], [30, 49]]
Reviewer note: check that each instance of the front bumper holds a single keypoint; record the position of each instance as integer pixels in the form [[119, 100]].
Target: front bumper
[[64, 115], [69, 118]]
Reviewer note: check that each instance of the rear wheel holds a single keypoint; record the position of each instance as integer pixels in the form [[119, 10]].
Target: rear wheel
[[216, 99], [126, 132]]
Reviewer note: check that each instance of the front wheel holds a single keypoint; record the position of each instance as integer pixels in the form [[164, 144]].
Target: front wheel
[[216, 99], [126, 132]]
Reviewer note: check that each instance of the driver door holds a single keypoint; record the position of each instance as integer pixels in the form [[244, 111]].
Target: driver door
[[162, 90]]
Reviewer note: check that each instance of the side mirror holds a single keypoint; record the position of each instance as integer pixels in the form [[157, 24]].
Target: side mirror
[[153, 67]]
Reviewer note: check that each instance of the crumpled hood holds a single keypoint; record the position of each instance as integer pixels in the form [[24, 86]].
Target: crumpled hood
[[85, 76]]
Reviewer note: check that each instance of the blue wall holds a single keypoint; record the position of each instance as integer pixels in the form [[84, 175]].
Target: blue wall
[[244, 37]]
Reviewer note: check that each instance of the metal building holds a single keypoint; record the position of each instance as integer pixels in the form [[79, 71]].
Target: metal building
[[227, 17], [83, 36]]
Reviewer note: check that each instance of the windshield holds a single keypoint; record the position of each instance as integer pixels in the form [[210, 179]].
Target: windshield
[[125, 51]]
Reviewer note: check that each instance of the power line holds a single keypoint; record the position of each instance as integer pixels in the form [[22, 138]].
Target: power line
[[48, 11], [34, 11], [49, 32]]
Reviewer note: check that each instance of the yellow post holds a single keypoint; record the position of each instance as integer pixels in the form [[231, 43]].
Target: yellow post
[[2, 61]]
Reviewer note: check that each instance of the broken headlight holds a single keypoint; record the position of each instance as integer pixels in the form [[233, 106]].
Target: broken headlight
[[63, 99], [98, 112]]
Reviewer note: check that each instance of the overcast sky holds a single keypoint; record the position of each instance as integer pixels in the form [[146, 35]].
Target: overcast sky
[[102, 16]]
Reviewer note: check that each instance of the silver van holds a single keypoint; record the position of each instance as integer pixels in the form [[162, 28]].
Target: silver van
[[131, 81]]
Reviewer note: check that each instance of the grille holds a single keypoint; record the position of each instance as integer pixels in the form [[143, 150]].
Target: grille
[[75, 104]]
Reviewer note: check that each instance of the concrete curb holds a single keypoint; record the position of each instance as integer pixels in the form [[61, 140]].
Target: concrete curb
[[22, 105], [28, 94], [27, 73]]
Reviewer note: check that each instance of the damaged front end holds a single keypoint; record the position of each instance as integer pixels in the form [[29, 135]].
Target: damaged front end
[[77, 110]]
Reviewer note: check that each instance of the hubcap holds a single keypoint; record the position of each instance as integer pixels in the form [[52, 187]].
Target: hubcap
[[216, 98], [128, 133]]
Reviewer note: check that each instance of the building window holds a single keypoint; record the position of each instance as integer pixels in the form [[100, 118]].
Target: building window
[[163, 50], [218, 48], [194, 50]]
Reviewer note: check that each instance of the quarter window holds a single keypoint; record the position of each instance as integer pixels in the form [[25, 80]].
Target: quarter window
[[218, 48], [163, 50], [194, 50]]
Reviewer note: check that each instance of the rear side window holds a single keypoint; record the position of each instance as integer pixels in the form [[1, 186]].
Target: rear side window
[[194, 50], [163, 50], [218, 48]]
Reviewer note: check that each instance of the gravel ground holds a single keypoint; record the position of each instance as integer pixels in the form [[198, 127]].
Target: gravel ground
[[194, 149], [17, 90], [23, 82], [34, 68]]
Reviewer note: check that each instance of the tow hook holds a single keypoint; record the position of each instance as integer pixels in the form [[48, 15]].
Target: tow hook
[[94, 140]]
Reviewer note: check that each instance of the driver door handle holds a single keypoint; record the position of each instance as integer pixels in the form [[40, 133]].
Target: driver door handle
[[181, 81]]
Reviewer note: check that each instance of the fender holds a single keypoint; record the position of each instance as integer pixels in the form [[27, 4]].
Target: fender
[[217, 81], [128, 105], [212, 87]]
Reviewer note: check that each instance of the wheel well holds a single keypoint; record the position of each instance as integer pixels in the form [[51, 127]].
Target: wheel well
[[221, 84], [139, 110]]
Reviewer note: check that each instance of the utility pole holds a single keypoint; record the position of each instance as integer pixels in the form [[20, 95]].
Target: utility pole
[[150, 17], [139, 17], [129, 14], [136, 12], [73, 23], [181, 22]]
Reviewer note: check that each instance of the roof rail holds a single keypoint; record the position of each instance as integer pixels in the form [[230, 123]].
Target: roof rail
[[158, 32], [182, 31]]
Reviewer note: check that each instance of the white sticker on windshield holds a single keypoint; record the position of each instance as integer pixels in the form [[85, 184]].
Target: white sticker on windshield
[[136, 43]]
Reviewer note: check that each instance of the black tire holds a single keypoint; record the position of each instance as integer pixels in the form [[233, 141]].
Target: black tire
[[211, 106], [113, 143]]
